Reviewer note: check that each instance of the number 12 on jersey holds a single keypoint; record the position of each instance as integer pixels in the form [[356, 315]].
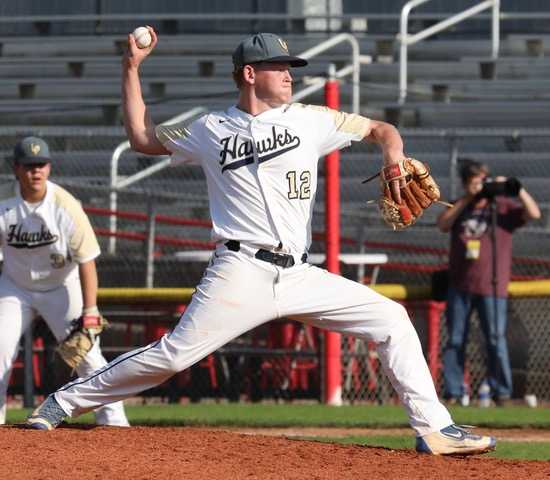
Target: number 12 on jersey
[[299, 187]]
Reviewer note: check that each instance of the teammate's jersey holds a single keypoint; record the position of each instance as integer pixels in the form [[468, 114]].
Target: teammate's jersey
[[43, 245], [261, 171]]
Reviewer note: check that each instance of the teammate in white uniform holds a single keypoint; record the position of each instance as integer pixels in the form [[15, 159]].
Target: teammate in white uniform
[[260, 159], [49, 251]]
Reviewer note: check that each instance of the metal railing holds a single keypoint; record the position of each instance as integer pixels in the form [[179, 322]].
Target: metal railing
[[354, 69], [118, 183], [406, 40]]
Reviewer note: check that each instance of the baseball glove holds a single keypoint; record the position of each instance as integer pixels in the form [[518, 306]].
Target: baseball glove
[[417, 188], [82, 337]]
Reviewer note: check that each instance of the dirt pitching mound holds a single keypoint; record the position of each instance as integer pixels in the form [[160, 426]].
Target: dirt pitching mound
[[151, 453]]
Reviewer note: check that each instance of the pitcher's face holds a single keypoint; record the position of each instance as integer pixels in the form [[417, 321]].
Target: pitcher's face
[[273, 83]]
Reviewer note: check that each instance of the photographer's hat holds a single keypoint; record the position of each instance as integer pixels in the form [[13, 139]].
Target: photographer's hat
[[30, 151], [264, 47]]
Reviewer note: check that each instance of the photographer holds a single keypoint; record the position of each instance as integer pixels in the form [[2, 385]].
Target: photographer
[[486, 216]]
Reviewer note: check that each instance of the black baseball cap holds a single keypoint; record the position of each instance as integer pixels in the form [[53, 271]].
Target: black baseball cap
[[264, 47], [31, 151]]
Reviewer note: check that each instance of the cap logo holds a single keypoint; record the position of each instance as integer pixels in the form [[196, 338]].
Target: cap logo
[[35, 148], [283, 44]]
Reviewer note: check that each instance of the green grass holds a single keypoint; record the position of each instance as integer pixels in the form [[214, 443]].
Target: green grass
[[290, 415], [256, 415], [315, 415]]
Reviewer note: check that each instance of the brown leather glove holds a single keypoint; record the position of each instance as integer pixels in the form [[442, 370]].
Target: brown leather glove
[[82, 338], [418, 192]]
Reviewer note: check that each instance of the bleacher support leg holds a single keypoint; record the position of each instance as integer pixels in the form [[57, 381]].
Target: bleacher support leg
[[488, 70], [76, 69], [535, 47], [110, 114], [27, 90]]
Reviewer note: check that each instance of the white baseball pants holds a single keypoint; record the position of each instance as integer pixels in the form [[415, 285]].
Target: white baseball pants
[[18, 308], [239, 292]]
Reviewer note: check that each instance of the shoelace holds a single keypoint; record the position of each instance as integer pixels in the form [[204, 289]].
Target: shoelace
[[51, 411]]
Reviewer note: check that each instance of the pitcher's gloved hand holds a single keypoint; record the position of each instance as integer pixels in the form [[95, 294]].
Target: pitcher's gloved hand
[[417, 188]]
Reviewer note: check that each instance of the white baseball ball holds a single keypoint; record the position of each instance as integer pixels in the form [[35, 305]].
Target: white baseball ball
[[142, 36]]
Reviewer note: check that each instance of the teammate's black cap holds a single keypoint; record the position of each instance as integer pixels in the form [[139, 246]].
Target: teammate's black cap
[[264, 47], [30, 151]]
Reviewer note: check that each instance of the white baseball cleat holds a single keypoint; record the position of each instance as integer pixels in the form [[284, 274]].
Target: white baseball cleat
[[47, 416], [454, 440]]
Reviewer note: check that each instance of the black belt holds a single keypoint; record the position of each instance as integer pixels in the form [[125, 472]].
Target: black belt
[[279, 259]]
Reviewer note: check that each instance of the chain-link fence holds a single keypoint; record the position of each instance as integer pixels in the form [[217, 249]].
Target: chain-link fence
[[83, 164], [283, 360], [290, 369], [527, 335]]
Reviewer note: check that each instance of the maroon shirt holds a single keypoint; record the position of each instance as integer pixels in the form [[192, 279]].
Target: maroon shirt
[[472, 226]]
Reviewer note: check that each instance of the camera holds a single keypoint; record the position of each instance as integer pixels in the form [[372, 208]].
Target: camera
[[491, 188]]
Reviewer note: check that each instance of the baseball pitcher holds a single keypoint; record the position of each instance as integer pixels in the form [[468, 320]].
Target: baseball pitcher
[[260, 158]]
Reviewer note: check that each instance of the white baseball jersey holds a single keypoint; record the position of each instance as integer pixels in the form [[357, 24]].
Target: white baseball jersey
[[255, 164], [43, 245]]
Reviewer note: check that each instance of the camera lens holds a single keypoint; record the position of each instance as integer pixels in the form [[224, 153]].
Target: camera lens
[[492, 188]]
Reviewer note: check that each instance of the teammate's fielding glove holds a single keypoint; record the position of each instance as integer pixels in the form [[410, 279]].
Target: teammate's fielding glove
[[418, 191], [82, 337]]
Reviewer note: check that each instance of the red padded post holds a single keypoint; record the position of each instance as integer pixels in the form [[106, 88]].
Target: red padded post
[[333, 367]]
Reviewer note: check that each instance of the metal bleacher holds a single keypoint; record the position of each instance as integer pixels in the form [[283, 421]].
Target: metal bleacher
[[67, 81], [63, 74]]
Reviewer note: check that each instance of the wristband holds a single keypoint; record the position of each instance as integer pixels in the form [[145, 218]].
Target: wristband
[[90, 310]]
